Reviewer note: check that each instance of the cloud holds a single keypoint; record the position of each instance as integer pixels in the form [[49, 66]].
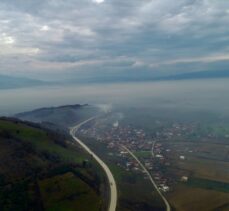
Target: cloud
[[98, 1], [116, 36], [205, 59], [6, 40], [16, 51], [45, 28]]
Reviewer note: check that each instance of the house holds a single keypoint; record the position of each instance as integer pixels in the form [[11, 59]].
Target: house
[[184, 179], [182, 157]]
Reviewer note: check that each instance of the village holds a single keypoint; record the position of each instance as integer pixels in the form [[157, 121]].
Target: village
[[150, 150]]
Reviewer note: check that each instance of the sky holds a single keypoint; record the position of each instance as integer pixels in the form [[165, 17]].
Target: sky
[[58, 39]]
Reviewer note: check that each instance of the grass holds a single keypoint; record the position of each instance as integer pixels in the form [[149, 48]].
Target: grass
[[40, 140], [208, 184], [143, 154], [191, 198], [67, 192], [34, 153], [206, 160], [219, 130], [135, 193], [204, 168]]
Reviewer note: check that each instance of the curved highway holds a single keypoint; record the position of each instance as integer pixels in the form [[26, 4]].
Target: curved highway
[[113, 188], [150, 177]]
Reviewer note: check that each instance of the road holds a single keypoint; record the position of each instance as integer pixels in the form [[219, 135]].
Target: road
[[153, 155], [113, 187], [150, 177]]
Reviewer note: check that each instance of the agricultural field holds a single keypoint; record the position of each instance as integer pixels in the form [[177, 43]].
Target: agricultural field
[[193, 198], [202, 160], [206, 166]]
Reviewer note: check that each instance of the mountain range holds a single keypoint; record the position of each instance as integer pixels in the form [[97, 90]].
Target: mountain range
[[10, 82]]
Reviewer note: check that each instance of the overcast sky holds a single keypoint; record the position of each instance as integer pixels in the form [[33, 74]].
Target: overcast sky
[[71, 38]]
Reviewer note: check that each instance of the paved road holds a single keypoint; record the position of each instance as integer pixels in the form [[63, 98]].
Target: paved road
[[150, 177], [113, 188]]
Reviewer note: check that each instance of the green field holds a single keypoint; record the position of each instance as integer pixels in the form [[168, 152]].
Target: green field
[[208, 184], [67, 192], [143, 154], [40, 139]]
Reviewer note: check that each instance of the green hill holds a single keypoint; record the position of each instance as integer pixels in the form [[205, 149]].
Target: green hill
[[41, 170]]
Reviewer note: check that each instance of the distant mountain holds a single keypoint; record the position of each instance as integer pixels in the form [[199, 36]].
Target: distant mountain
[[9, 82], [142, 76], [62, 116], [197, 75]]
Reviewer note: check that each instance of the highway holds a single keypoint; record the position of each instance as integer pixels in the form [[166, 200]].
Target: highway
[[113, 187], [168, 208]]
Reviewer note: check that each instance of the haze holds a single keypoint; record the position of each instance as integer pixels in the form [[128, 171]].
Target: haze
[[189, 95]]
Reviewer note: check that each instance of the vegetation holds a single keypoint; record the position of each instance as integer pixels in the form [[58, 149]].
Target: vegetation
[[134, 192], [143, 154], [192, 198], [41, 170], [67, 192], [209, 184]]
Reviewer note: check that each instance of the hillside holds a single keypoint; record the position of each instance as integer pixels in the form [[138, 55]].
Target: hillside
[[62, 116], [41, 170]]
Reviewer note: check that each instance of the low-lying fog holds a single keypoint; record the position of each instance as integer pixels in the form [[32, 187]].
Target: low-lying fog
[[190, 95]]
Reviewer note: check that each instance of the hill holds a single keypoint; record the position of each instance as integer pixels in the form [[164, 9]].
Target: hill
[[42, 170], [62, 116]]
